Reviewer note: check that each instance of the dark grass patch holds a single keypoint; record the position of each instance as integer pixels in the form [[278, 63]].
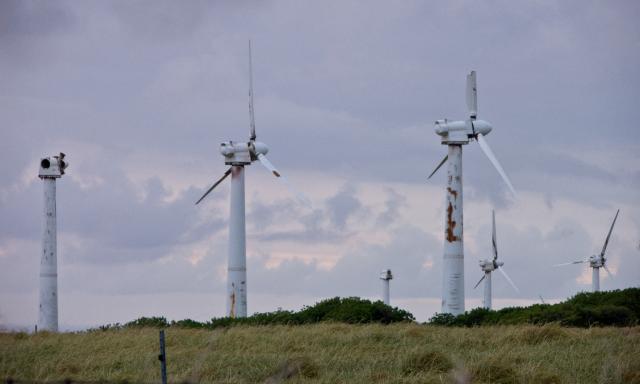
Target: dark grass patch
[[298, 366], [538, 335], [494, 373], [426, 361]]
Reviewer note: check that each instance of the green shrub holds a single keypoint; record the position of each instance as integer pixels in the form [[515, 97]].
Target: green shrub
[[587, 309], [155, 322]]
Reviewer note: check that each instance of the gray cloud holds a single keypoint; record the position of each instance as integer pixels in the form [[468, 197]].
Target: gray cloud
[[395, 201], [33, 18], [343, 206], [356, 274]]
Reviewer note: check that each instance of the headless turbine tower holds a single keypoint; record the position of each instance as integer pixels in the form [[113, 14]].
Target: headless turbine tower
[[455, 134], [237, 155], [489, 266], [385, 276], [51, 168], [597, 261]]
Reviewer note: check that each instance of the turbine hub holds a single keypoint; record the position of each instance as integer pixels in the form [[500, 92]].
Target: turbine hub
[[596, 261], [488, 265], [258, 148], [386, 275]]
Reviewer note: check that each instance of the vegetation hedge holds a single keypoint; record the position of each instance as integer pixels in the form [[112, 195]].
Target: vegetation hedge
[[611, 308], [351, 310]]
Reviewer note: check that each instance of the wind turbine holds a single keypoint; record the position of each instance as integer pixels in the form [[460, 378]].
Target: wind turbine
[[455, 134], [51, 168], [385, 276], [597, 261], [238, 155], [489, 266]]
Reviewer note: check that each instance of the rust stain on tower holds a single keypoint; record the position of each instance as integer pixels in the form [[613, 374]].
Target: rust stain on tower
[[233, 302], [451, 224]]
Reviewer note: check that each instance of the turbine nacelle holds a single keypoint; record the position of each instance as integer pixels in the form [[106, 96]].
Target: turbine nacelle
[[460, 132], [596, 261], [242, 153], [386, 275], [490, 265], [53, 167]]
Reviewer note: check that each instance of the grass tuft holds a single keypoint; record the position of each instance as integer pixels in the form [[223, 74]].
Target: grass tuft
[[496, 373], [426, 361], [534, 335]]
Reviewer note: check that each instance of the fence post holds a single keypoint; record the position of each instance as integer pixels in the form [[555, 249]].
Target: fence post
[[163, 358]]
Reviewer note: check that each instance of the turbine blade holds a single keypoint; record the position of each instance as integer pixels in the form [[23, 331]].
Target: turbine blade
[[487, 151], [299, 195], [438, 167], [573, 262], [493, 237], [252, 118], [606, 242], [608, 272], [215, 185], [472, 95], [267, 164], [480, 281], [508, 279]]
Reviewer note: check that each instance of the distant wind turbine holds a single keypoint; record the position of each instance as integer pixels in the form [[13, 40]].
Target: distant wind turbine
[[489, 266], [597, 261], [386, 276]]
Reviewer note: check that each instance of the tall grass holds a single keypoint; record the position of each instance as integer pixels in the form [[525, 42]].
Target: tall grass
[[331, 353]]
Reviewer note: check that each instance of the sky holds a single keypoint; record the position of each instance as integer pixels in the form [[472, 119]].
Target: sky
[[139, 95]]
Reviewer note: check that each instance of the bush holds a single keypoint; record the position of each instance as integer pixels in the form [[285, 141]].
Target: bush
[[154, 322], [352, 310], [587, 309]]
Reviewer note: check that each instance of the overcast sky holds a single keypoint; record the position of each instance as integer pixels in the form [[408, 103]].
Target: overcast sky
[[140, 94]]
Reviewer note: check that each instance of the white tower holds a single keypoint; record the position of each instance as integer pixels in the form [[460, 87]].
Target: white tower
[[237, 155], [51, 168], [455, 134], [385, 276]]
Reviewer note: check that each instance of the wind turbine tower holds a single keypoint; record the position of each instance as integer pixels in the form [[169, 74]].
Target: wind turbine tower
[[385, 276], [489, 266], [237, 155], [454, 135], [51, 168], [597, 261]]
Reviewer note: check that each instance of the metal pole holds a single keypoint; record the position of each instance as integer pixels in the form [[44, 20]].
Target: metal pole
[[48, 310], [453, 259], [487, 290], [237, 262], [595, 279], [163, 358]]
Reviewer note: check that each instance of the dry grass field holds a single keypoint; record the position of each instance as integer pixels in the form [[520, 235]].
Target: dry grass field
[[331, 353]]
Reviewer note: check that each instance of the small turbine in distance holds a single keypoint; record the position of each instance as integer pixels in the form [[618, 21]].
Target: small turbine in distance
[[489, 266], [386, 276], [597, 261], [238, 155]]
